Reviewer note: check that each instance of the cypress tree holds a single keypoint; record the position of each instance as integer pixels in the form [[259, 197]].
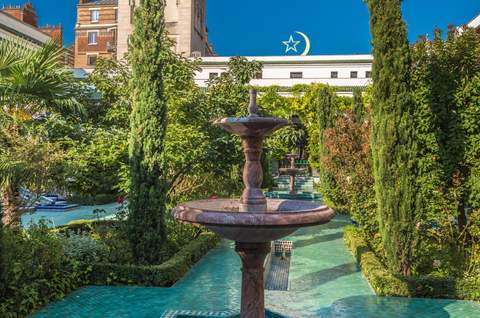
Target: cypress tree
[[358, 106], [325, 103], [148, 123], [393, 147]]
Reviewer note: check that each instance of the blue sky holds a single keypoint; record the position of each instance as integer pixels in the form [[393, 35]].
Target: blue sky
[[258, 27]]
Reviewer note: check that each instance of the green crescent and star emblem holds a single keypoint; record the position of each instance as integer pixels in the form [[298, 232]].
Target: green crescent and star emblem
[[291, 44]]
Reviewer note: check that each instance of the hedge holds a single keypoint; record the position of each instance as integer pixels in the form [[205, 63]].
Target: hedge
[[84, 226], [385, 283], [98, 199], [303, 87], [163, 275]]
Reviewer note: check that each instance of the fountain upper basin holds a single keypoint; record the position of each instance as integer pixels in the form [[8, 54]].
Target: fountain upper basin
[[281, 218], [251, 126]]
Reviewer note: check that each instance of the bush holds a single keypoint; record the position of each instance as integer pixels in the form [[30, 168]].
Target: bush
[[98, 199], [165, 274], [83, 248], [384, 283], [36, 270], [83, 226], [348, 158]]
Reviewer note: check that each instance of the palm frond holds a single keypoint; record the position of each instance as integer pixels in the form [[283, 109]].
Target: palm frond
[[35, 79]]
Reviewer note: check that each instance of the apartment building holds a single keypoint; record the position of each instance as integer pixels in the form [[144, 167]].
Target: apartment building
[[95, 31], [185, 21], [21, 21], [104, 27]]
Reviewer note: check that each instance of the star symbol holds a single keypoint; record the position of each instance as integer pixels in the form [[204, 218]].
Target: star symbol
[[291, 44]]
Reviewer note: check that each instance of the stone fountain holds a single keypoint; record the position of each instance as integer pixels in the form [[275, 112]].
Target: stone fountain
[[252, 221], [292, 171]]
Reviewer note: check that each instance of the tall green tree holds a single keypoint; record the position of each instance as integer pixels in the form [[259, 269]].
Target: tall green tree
[[358, 106], [148, 129], [325, 103], [393, 147]]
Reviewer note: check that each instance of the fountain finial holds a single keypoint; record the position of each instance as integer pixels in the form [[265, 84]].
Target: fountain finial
[[253, 107]]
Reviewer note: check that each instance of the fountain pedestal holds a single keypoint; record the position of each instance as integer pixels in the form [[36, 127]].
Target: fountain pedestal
[[253, 257]]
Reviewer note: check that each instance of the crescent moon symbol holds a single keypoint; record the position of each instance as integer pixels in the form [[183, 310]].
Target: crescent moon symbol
[[307, 43]]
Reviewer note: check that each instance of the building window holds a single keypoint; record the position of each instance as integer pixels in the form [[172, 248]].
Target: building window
[[259, 75], [212, 75], [368, 74], [94, 16], [353, 74], [91, 60], [333, 74], [296, 75], [92, 37]]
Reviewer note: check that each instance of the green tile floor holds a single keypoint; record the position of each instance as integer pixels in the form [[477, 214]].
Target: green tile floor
[[324, 282]]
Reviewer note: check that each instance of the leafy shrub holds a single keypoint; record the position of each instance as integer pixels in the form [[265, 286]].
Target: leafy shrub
[[165, 274], [36, 270], [89, 199], [348, 159], [83, 248]]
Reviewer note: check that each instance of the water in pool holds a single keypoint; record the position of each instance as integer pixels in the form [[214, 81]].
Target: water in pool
[[324, 282], [57, 218]]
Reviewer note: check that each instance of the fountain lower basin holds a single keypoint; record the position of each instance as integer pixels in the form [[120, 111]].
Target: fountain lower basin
[[281, 218]]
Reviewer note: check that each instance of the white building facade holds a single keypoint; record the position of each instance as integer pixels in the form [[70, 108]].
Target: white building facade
[[475, 23], [343, 71]]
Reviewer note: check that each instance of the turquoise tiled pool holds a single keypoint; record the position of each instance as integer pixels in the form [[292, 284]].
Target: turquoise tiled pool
[[324, 282], [57, 218]]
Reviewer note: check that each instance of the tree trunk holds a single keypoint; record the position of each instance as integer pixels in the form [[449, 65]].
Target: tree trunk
[[462, 217], [10, 206]]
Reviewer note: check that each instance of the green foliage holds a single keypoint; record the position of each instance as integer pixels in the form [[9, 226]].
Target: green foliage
[[165, 274], [358, 105], [35, 79], [36, 271], [445, 86], [327, 110], [27, 160], [34, 86], [384, 283], [111, 80], [95, 160], [148, 129], [83, 248], [393, 145], [291, 139]]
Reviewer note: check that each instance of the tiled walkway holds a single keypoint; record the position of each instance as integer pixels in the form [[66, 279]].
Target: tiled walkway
[[277, 276], [324, 283]]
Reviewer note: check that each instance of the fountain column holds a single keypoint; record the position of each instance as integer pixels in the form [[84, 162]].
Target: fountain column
[[253, 258], [253, 199]]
